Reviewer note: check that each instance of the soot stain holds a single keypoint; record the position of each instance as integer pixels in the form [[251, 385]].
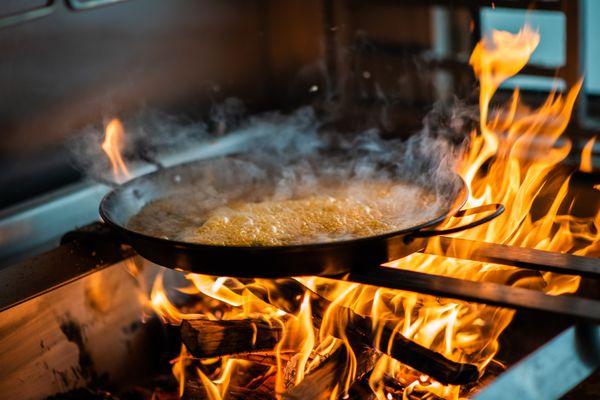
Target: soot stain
[[62, 377], [131, 328], [74, 334]]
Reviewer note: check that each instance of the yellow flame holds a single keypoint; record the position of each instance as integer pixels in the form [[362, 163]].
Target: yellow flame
[[178, 368], [586, 156], [114, 140], [212, 390], [512, 160], [163, 307], [298, 336]]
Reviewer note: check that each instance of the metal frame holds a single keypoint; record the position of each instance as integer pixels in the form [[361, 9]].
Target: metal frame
[[480, 292]]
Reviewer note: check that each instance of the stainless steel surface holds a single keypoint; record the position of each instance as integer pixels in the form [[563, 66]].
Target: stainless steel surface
[[88, 250], [80, 5], [37, 225], [521, 257], [85, 333], [552, 370]]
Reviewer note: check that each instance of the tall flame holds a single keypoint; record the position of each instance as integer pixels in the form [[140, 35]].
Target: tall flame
[[512, 160], [114, 140]]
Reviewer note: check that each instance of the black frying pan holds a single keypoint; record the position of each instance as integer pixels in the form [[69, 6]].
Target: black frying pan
[[332, 258]]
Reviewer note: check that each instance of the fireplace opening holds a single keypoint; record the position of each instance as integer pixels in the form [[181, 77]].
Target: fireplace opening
[[288, 274]]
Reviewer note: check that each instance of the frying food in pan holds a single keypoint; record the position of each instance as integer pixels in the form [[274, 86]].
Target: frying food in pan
[[324, 213]]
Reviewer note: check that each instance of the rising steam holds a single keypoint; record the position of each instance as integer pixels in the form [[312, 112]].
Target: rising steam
[[428, 156]]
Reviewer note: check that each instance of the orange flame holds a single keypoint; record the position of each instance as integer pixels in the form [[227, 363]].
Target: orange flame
[[114, 138], [163, 307], [586, 156], [298, 336], [511, 160]]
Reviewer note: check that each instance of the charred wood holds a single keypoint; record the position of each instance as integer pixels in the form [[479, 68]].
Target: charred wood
[[267, 357], [194, 390], [206, 339], [360, 389], [321, 381]]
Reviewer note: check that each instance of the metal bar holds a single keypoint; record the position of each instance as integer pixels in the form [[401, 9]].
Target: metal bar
[[27, 15], [480, 292], [80, 5], [552, 370], [37, 226], [521, 257], [85, 251]]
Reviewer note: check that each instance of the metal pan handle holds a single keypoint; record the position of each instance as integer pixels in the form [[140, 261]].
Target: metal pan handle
[[496, 210]]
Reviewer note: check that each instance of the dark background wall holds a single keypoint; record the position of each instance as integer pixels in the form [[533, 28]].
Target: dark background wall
[[376, 63], [72, 68]]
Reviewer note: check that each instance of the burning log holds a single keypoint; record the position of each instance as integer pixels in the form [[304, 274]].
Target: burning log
[[194, 390], [206, 339], [320, 381], [360, 389], [268, 357], [286, 294]]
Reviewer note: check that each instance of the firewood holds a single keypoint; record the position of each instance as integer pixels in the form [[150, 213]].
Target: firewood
[[267, 357], [360, 390], [194, 390], [287, 294], [319, 382], [207, 339]]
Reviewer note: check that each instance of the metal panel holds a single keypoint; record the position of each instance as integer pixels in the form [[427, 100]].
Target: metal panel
[[89, 250], [89, 332], [552, 370]]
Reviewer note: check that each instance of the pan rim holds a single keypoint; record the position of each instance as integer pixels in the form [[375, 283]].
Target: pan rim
[[457, 205]]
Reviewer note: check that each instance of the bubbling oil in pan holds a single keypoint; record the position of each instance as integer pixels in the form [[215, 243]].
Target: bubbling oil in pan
[[319, 213]]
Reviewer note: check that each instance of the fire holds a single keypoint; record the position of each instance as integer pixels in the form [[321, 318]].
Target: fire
[[512, 160], [114, 140], [586, 156]]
